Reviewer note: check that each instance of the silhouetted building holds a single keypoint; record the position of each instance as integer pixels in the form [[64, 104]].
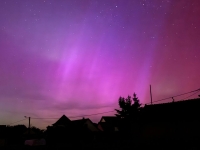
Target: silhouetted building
[[171, 121], [63, 121], [75, 125], [187, 110], [109, 123], [84, 125], [66, 131]]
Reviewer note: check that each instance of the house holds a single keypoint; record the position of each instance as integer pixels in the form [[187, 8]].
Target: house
[[68, 131], [109, 123], [186, 110], [174, 120], [63, 121], [75, 125], [84, 125]]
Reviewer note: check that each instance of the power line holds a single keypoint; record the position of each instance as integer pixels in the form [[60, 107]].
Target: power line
[[17, 121], [192, 94], [78, 116], [175, 96], [196, 91], [92, 114], [44, 118]]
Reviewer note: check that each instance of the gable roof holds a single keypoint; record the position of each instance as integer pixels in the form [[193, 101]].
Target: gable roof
[[62, 121], [79, 122], [104, 126], [84, 123], [110, 119], [109, 123]]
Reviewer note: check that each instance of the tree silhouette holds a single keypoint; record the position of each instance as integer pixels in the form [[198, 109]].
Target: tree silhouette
[[129, 107], [37, 130]]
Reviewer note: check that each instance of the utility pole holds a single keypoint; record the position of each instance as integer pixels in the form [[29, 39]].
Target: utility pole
[[151, 95], [29, 124]]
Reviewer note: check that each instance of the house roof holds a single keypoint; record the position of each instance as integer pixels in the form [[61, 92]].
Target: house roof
[[81, 123], [192, 103], [62, 121], [104, 126], [110, 119], [76, 125], [95, 124], [181, 110], [108, 123]]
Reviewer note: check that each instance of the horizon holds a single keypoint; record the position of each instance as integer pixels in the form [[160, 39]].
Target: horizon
[[78, 57], [83, 116]]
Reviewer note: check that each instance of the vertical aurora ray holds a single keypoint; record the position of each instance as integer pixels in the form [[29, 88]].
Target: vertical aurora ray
[[77, 57]]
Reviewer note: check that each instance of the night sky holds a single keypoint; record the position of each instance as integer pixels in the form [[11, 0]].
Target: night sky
[[76, 57]]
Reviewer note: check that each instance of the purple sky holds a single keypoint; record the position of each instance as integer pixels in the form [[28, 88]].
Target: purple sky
[[76, 57]]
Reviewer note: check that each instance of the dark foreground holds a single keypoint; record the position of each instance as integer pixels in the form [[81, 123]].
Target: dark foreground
[[155, 145]]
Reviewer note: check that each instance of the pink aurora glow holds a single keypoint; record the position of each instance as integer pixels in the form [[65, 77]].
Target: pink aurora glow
[[77, 57]]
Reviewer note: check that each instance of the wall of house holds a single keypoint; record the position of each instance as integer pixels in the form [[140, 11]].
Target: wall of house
[[99, 127], [102, 120], [91, 126], [171, 131]]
